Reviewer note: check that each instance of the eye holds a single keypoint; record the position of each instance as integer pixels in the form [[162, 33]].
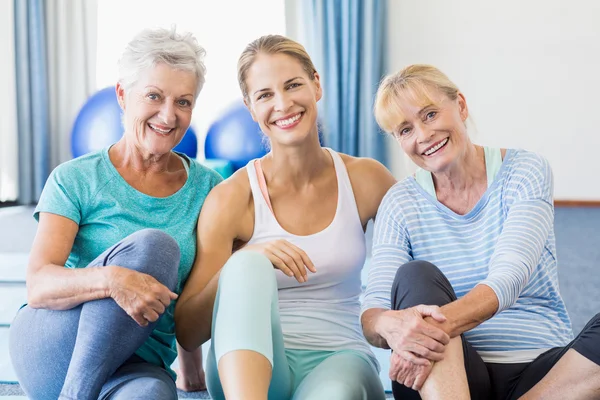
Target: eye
[[263, 96], [294, 85], [430, 115], [153, 96], [184, 103], [404, 131]]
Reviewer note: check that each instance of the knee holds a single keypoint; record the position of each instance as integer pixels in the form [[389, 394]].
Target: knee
[[420, 282], [417, 271], [156, 253], [337, 389], [247, 265]]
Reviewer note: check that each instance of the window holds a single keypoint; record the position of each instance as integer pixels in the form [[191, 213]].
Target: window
[[8, 111], [223, 28]]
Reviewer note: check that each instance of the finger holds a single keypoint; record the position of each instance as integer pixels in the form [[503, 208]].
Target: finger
[[290, 264], [424, 352], [407, 355], [408, 380], [435, 333], [306, 261], [420, 380], [280, 265], [431, 311], [150, 315], [430, 343], [139, 319], [293, 252]]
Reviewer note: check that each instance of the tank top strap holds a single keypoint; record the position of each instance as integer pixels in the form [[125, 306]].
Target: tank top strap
[[493, 162], [347, 202], [262, 204]]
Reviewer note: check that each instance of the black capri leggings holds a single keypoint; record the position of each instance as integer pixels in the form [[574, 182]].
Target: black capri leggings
[[420, 282]]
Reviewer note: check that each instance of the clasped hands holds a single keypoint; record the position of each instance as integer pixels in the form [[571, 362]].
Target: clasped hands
[[416, 344]]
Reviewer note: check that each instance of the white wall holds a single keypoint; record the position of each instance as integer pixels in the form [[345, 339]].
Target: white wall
[[530, 71], [223, 28], [8, 112]]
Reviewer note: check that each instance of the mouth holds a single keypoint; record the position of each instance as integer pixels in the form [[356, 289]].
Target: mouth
[[289, 121], [161, 130], [435, 147]]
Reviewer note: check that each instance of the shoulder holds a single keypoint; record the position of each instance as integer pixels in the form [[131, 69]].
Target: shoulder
[[366, 168], [526, 163], [205, 176], [230, 199], [370, 181], [87, 173], [82, 166]]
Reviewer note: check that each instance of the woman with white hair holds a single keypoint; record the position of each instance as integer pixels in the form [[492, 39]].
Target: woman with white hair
[[116, 241]]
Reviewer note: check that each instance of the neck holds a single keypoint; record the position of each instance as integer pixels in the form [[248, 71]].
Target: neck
[[467, 172], [126, 154], [295, 166]]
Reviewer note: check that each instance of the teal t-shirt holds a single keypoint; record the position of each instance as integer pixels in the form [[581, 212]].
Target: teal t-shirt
[[90, 191]]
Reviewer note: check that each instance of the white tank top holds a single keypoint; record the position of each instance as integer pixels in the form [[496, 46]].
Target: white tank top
[[323, 313]]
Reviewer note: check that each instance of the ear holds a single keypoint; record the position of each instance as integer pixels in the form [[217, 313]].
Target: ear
[[317, 82], [249, 107], [120, 92], [462, 106]]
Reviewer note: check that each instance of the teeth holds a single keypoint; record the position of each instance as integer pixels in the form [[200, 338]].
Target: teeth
[[436, 148], [160, 130], [289, 121]]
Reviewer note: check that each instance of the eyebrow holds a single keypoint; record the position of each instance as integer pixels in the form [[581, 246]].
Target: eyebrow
[[160, 90], [284, 83], [421, 112]]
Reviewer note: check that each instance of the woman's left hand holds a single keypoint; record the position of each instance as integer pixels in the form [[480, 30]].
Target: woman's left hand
[[191, 381], [407, 373]]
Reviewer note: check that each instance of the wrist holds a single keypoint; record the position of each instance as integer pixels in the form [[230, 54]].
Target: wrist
[[382, 323], [108, 276]]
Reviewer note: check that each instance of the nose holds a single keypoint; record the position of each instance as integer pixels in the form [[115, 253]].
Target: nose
[[166, 114], [423, 133], [283, 102]]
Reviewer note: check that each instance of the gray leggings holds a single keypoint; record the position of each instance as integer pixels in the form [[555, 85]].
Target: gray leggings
[[87, 352]]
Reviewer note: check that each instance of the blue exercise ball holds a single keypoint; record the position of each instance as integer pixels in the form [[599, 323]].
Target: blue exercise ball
[[98, 125], [235, 137]]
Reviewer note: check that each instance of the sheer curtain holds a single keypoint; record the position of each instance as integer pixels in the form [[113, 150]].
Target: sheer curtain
[[55, 52]]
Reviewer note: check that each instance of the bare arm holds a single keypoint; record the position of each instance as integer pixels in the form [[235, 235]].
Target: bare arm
[[220, 223], [471, 310], [49, 284], [370, 182]]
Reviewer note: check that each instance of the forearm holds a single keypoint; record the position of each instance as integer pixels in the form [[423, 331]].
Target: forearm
[[193, 316], [464, 314], [55, 287], [371, 319]]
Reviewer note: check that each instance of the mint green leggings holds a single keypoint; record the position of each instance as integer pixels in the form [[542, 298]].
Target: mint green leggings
[[246, 317]]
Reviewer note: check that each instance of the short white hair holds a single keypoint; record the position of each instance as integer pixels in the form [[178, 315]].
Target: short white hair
[[162, 46]]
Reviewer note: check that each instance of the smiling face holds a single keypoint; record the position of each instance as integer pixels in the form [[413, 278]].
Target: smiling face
[[282, 98], [432, 130], [158, 109]]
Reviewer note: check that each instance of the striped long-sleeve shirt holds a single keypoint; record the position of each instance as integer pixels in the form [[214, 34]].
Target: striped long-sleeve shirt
[[505, 242]]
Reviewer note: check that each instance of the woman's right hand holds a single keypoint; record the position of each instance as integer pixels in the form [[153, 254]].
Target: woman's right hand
[[287, 257], [413, 338], [141, 296]]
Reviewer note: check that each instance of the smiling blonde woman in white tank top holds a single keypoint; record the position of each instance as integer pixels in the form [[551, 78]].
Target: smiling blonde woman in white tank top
[[286, 306]]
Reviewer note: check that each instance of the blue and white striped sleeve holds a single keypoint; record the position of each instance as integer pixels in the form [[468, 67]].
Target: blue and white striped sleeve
[[528, 223], [391, 249]]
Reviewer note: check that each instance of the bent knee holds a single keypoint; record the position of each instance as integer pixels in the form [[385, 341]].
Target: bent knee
[[418, 270], [244, 263], [337, 389]]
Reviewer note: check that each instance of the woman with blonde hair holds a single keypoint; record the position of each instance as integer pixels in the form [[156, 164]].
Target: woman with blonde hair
[[464, 287], [286, 306]]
